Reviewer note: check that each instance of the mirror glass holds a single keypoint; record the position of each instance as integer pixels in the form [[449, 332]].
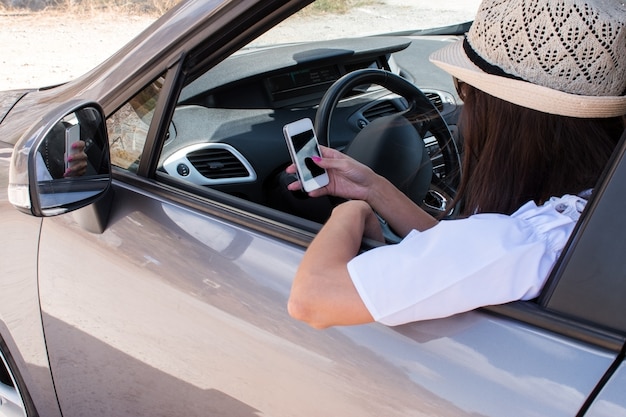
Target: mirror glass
[[72, 162]]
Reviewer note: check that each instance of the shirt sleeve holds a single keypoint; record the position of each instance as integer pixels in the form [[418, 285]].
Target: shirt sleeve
[[460, 265]]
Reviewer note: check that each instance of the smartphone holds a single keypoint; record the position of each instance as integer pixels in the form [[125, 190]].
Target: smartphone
[[72, 135], [302, 144]]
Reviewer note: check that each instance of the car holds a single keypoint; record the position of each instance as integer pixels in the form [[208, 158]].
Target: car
[[157, 282]]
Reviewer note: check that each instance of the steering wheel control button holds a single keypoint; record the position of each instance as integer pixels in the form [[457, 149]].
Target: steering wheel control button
[[183, 170]]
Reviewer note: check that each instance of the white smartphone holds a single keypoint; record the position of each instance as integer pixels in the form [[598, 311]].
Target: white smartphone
[[302, 144], [72, 135]]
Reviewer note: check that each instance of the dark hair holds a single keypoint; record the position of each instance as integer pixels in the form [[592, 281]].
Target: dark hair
[[513, 154]]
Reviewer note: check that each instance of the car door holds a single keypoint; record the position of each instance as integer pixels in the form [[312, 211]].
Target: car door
[[176, 304], [175, 310]]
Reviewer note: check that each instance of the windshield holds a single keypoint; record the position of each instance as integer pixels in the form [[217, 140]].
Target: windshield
[[331, 19]]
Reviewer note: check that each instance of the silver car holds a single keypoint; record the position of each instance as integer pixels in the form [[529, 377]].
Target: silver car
[[156, 283]]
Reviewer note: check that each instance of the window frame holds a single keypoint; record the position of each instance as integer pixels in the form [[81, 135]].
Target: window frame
[[585, 282]]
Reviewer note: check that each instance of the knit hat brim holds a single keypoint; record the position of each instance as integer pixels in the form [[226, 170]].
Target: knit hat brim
[[455, 62]]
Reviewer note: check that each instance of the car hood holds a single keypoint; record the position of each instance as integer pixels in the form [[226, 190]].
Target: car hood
[[20, 109], [8, 99]]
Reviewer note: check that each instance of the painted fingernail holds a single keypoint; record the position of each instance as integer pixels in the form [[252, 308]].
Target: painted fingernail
[[316, 158]]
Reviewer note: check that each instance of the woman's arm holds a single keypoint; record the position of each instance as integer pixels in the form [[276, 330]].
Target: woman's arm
[[322, 293], [400, 212], [353, 180]]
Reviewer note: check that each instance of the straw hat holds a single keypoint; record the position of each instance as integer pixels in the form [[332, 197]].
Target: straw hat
[[565, 57]]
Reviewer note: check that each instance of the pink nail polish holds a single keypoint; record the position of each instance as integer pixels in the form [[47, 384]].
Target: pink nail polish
[[316, 158]]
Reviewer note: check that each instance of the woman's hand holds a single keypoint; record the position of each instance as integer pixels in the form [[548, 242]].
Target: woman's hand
[[77, 160], [348, 178], [353, 180]]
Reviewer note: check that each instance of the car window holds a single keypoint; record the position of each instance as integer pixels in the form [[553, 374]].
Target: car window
[[128, 126], [226, 133]]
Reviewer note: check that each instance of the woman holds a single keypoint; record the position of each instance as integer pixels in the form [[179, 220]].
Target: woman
[[544, 105]]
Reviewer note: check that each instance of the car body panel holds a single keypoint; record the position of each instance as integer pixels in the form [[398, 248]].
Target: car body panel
[[20, 314], [202, 319], [610, 402]]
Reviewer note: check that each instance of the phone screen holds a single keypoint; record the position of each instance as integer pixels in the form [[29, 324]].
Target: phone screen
[[305, 146]]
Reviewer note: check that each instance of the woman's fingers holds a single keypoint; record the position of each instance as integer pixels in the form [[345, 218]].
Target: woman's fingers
[[77, 160]]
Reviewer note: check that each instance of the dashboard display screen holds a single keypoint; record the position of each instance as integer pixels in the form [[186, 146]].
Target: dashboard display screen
[[307, 83], [303, 78]]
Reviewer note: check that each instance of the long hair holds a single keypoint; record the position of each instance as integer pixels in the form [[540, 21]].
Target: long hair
[[512, 155]]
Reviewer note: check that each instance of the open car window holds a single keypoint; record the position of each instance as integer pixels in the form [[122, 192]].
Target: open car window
[[226, 129]]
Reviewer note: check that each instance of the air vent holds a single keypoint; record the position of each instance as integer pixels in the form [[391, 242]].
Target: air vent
[[209, 164], [387, 107], [215, 163], [380, 109], [435, 99]]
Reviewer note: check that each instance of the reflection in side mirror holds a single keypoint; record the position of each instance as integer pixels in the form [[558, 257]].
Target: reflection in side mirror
[[64, 165], [72, 162]]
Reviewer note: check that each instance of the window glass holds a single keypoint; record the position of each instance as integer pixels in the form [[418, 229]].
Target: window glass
[[128, 126]]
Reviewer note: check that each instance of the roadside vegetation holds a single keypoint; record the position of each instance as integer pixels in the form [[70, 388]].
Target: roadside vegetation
[[81, 7], [150, 7], [333, 6]]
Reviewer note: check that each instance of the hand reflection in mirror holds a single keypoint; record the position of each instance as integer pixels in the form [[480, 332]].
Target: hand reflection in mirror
[[77, 160], [51, 162]]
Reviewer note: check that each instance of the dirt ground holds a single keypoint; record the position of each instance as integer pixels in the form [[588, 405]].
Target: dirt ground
[[39, 49], [46, 48]]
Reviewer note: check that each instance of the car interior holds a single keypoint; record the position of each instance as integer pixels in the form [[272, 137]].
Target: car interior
[[377, 99]]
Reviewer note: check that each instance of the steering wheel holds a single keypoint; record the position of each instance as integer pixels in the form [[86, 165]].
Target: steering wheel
[[393, 146]]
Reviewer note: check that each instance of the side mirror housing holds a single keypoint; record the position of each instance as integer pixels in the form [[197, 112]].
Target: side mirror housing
[[40, 181]]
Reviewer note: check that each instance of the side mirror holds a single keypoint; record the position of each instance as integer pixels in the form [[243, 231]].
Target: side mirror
[[41, 183]]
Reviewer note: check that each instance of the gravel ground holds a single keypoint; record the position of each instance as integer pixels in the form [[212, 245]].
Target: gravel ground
[[39, 49], [45, 48]]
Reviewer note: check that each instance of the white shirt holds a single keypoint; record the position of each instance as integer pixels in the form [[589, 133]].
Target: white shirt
[[460, 265]]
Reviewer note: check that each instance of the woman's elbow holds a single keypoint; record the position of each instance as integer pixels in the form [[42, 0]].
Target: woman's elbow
[[302, 309]]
